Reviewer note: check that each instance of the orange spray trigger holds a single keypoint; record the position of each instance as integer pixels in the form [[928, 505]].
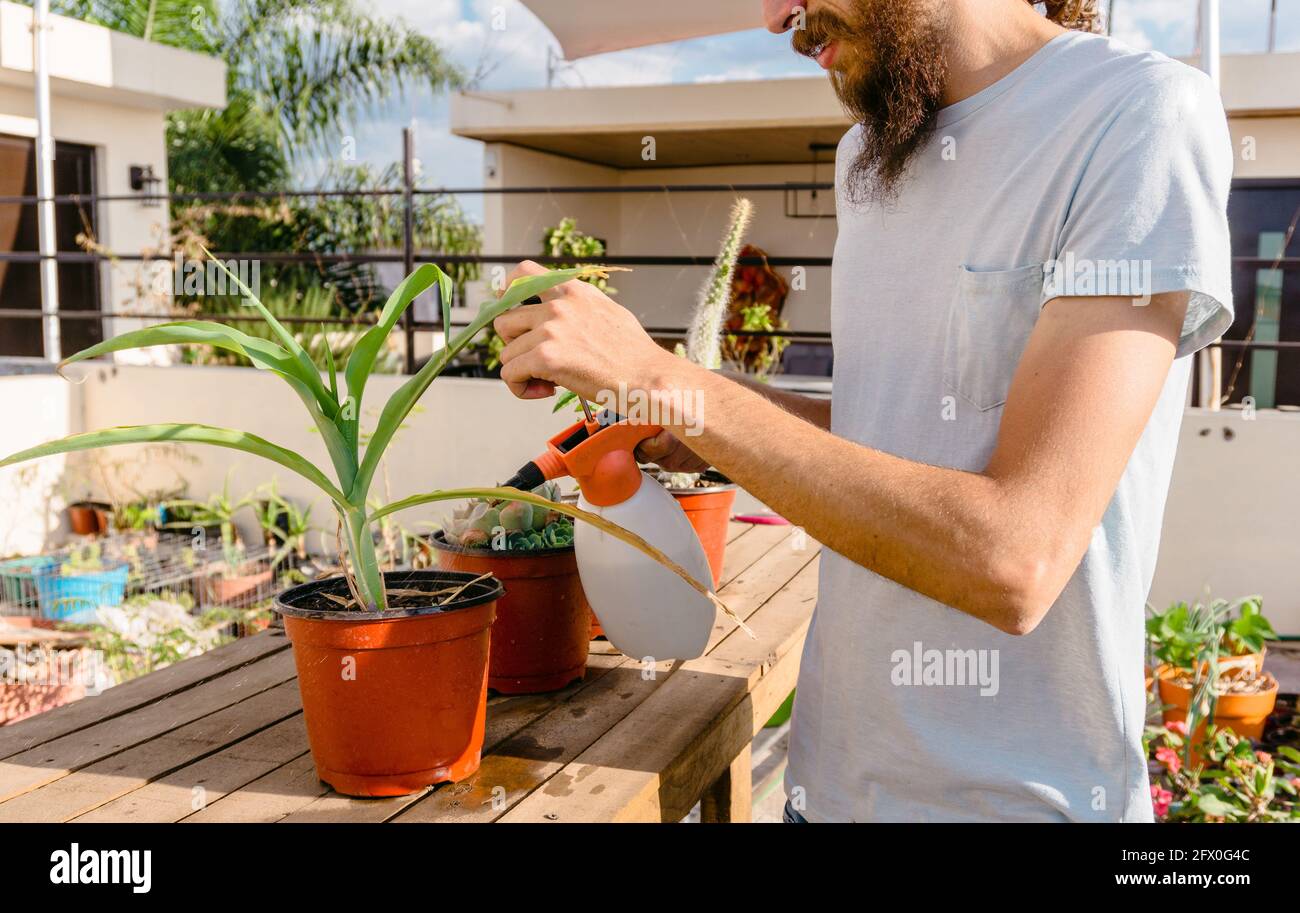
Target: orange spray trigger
[[599, 455]]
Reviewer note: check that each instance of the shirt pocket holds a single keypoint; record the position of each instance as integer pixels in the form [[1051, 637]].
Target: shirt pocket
[[989, 322]]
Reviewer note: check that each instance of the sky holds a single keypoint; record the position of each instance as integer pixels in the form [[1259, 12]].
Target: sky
[[515, 57]]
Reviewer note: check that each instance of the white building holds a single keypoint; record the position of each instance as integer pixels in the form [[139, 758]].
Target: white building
[[109, 93]]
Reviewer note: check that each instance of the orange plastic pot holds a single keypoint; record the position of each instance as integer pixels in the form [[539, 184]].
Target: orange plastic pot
[[393, 701], [1244, 714], [542, 629], [82, 520], [709, 510]]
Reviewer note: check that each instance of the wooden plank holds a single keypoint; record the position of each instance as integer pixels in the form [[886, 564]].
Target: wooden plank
[[731, 797], [657, 761], [742, 553], [99, 783], [196, 786], [268, 798], [136, 693], [46, 763], [506, 717], [526, 762], [735, 530]]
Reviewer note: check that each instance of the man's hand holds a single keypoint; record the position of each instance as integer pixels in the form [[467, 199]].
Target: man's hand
[[576, 338], [666, 451]]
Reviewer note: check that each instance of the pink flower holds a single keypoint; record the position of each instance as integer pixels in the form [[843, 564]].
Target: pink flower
[[1264, 757], [1178, 726], [1160, 799], [1169, 758]]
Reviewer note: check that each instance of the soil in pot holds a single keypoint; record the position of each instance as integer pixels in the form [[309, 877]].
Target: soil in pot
[[1243, 711], [709, 510], [543, 623], [394, 701]]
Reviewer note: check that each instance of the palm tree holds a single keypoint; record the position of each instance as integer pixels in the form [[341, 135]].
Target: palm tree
[[295, 68]]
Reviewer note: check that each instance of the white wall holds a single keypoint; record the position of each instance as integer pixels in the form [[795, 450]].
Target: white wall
[[122, 136], [37, 408], [1232, 523], [466, 433], [659, 225]]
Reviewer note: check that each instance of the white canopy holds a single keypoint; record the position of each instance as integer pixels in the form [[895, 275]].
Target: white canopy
[[584, 27]]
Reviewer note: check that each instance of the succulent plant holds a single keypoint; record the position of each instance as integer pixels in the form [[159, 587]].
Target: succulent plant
[[510, 526]]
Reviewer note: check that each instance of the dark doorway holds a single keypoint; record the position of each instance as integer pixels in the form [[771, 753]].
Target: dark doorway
[[20, 283]]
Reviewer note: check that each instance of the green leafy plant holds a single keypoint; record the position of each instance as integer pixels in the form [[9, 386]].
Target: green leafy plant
[[1191, 641], [510, 526], [1230, 782], [220, 511], [284, 524], [84, 559], [336, 416]]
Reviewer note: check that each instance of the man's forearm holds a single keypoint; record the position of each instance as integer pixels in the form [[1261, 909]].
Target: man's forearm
[[942, 532], [809, 408]]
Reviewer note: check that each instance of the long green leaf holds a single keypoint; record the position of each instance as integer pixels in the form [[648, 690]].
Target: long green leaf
[[401, 403], [183, 433], [263, 353], [577, 513], [362, 360], [311, 374]]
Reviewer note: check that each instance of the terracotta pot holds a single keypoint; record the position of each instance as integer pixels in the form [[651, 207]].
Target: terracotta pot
[[540, 636], [82, 519], [226, 590], [709, 510], [1241, 661], [596, 629], [393, 701], [1244, 714]]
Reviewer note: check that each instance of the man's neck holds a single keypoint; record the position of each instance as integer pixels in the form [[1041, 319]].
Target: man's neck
[[991, 38]]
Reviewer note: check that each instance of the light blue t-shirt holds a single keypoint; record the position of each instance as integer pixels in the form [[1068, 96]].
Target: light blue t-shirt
[[1091, 169]]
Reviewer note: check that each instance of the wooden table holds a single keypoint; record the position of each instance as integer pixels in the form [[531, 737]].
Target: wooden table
[[220, 737]]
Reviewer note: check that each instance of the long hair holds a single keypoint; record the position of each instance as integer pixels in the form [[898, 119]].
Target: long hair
[[1080, 15]]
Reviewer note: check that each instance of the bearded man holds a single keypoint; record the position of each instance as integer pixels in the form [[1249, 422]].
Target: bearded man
[[1032, 243]]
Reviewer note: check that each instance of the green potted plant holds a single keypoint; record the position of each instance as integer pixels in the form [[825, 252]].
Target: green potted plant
[[234, 577], [1230, 781], [1210, 665], [541, 632], [392, 668]]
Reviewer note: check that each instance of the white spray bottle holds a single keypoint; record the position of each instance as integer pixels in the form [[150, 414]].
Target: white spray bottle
[[646, 610]]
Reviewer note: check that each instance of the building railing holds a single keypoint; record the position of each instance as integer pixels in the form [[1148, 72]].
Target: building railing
[[409, 254]]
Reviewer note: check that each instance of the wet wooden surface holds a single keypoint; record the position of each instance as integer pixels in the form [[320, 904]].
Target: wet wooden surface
[[221, 737]]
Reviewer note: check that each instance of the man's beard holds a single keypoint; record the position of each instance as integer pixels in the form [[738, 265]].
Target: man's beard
[[889, 74]]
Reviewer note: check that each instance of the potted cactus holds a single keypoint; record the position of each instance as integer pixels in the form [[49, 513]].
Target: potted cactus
[[541, 632], [392, 667], [708, 497]]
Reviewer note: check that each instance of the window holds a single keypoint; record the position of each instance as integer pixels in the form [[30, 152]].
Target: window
[[20, 283]]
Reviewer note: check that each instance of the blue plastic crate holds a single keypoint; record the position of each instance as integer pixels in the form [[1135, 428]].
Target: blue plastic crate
[[75, 597], [18, 583]]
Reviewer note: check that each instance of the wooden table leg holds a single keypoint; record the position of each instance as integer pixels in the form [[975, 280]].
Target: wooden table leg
[[731, 797]]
